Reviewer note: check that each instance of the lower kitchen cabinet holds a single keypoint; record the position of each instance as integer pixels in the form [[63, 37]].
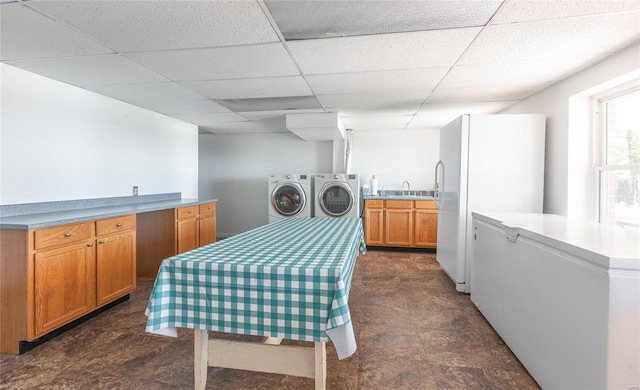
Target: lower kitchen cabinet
[[401, 223], [398, 216], [62, 286], [115, 258], [374, 226], [195, 226], [53, 276], [426, 224]]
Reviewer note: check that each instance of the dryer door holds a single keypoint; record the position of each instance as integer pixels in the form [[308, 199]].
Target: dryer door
[[288, 199], [336, 199]]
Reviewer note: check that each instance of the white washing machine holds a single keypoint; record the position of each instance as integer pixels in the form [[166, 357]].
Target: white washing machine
[[337, 195], [290, 196]]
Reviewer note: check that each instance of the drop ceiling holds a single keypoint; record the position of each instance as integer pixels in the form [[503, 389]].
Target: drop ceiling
[[242, 66]]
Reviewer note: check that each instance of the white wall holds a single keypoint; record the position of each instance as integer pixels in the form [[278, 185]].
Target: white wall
[[59, 142], [396, 156], [569, 161], [234, 168]]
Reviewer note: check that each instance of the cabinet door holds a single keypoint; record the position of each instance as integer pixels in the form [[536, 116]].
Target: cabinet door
[[115, 267], [207, 229], [399, 227], [426, 228], [373, 229], [187, 234], [63, 285]]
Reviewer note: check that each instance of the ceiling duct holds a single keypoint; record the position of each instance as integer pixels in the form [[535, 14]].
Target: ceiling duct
[[316, 127]]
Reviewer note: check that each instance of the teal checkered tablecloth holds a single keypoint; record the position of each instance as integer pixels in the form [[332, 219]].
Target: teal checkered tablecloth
[[288, 279]]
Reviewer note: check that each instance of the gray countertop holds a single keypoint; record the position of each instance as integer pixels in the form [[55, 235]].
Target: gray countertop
[[42, 218], [399, 197]]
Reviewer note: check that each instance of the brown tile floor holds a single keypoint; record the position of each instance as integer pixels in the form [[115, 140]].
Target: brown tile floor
[[414, 331]]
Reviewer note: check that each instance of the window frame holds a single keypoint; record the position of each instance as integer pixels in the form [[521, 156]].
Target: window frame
[[601, 168]]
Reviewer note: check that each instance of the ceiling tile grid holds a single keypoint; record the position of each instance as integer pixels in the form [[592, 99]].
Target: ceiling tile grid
[[240, 66]]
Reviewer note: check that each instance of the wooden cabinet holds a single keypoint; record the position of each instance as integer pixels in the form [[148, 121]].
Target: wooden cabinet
[[115, 258], [195, 226], [53, 276], [374, 222], [426, 224], [401, 223], [207, 224], [398, 222], [63, 278]]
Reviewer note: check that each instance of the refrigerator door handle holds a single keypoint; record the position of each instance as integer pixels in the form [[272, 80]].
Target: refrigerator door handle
[[436, 186]]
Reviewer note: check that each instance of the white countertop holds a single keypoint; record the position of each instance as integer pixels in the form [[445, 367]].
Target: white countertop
[[612, 247]]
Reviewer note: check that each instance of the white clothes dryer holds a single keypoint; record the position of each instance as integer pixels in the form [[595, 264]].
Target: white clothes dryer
[[337, 195], [290, 196]]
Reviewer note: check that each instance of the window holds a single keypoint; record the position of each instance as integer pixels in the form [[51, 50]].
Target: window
[[618, 158]]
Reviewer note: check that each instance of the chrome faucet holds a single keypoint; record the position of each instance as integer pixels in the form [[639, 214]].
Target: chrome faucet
[[408, 187]]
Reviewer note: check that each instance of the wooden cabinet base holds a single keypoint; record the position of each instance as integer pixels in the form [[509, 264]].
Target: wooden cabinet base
[[24, 346], [401, 223]]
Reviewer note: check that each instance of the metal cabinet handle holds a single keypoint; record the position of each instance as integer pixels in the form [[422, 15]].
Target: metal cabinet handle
[[101, 242], [90, 244], [118, 225], [67, 234]]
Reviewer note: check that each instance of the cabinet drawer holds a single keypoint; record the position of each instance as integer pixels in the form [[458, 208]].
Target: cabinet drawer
[[398, 204], [62, 235], [187, 212], [425, 204], [373, 203], [207, 208], [114, 225]]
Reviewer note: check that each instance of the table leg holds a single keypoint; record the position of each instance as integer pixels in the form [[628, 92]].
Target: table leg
[[321, 365], [200, 358]]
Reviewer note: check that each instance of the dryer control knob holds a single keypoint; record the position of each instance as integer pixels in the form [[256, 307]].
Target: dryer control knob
[[288, 177], [336, 177]]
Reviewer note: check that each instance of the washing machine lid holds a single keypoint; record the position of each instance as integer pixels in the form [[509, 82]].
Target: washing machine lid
[[336, 199], [288, 199]]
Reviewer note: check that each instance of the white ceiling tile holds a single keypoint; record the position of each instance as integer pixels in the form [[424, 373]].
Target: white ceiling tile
[[376, 122], [438, 115], [329, 19], [515, 72], [425, 49], [240, 127], [26, 34], [147, 92], [394, 102], [251, 88], [262, 115], [516, 11], [486, 93], [153, 25], [271, 104], [211, 119], [554, 38], [175, 106], [267, 60], [390, 80], [102, 69]]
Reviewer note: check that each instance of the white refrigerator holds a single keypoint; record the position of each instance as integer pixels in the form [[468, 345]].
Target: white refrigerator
[[487, 163]]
